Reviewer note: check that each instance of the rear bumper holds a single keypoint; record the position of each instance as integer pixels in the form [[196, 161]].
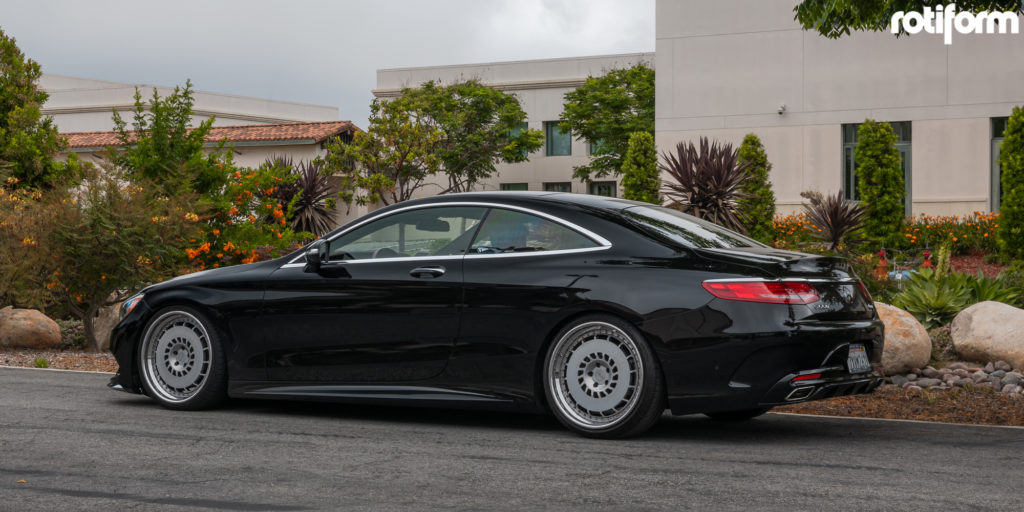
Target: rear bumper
[[757, 370]]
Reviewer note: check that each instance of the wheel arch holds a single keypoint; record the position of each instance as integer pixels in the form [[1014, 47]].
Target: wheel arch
[[619, 313]]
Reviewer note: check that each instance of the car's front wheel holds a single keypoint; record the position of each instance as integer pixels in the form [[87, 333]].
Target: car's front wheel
[[602, 380], [181, 360]]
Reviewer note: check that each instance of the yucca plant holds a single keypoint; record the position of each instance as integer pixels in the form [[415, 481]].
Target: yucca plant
[[706, 182], [833, 219], [932, 299], [313, 210], [985, 288]]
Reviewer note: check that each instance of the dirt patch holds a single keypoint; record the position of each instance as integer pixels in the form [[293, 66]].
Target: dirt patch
[[62, 360], [971, 263], [957, 405]]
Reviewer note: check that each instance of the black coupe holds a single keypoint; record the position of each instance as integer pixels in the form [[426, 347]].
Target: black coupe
[[603, 311]]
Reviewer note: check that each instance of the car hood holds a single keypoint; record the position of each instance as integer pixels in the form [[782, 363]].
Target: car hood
[[214, 275]]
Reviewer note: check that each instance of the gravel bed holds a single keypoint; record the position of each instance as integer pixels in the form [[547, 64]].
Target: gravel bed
[[60, 359]]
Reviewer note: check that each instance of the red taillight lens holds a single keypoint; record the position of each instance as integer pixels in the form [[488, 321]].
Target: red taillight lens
[[774, 292], [809, 376]]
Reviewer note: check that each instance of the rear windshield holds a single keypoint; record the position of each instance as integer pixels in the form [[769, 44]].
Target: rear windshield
[[686, 230]]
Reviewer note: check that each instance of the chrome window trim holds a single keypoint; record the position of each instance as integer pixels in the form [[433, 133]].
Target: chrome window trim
[[602, 242]]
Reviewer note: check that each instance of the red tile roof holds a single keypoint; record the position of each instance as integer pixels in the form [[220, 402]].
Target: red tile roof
[[317, 132]]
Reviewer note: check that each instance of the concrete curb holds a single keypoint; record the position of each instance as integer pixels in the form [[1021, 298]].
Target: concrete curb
[[923, 422]]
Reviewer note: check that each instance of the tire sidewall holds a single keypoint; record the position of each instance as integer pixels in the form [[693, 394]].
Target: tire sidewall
[[213, 389], [650, 403]]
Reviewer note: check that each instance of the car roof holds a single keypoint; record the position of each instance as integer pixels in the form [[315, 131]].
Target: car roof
[[586, 200]]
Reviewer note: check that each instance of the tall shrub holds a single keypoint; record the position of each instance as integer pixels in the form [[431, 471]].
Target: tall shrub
[[28, 140], [640, 176], [880, 181], [1011, 207], [759, 204]]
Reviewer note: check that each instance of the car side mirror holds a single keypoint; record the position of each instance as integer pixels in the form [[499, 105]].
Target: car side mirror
[[315, 255]]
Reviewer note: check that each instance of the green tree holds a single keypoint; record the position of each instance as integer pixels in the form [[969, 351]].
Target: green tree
[[880, 181], [758, 201], [836, 18], [479, 127], [114, 237], [389, 161], [161, 146], [1011, 207], [641, 179], [605, 111], [28, 140]]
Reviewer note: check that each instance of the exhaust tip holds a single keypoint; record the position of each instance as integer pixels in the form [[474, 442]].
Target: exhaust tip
[[799, 393]]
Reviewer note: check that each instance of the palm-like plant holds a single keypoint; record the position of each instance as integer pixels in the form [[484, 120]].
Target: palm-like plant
[[834, 220], [706, 182], [313, 208]]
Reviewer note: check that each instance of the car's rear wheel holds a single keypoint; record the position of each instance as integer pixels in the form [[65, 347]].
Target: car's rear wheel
[[602, 380], [181, 360], [741, 415]]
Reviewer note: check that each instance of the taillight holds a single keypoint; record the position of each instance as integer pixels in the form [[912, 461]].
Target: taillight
[[864, 290], [774, 292]]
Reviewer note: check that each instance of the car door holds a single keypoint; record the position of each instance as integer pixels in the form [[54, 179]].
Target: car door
[[520, 274], [383, 310]]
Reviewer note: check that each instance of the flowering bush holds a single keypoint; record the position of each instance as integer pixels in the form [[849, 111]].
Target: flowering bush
[[969, 233], [792, 231], [26, 224], [243, 222]]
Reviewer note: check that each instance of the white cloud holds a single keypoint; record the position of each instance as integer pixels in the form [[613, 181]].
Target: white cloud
[[323, 52]]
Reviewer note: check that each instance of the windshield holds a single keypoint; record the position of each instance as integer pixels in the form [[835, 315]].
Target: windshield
[[686, 230]]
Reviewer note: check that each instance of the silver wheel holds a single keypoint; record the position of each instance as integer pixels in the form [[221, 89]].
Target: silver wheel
[[176, 356], [596, 375]]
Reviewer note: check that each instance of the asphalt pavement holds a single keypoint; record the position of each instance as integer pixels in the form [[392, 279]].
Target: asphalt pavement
[[69, 443]]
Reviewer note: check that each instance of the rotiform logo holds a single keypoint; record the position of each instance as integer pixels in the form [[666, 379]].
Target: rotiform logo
[[944, 20]]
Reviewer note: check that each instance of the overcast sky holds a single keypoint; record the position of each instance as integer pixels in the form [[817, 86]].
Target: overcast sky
[[321, 52]]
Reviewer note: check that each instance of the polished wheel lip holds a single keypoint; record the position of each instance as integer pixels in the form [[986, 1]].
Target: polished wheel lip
[[176, 349], [627, 383]]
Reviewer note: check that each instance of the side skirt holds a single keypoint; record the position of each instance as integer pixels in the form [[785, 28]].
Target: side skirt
[[420, 396]]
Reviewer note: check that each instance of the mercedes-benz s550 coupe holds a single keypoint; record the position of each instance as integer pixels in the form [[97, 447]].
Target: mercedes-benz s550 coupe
[[604, 312]]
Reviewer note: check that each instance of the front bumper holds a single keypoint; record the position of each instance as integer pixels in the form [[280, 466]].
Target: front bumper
[[124, 340]]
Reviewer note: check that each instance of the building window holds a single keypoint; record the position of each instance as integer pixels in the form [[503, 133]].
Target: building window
[[514, 186], [603, 188], [557, 142], [561, 186], [594, 147], [903, 145], [998, 133], [516, 130]]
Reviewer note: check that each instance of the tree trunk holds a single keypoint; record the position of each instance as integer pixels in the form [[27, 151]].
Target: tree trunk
[[89, 323]]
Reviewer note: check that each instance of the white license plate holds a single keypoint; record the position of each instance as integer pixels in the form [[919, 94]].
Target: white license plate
[[857, 361]]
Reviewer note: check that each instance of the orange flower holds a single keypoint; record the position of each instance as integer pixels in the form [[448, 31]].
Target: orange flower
[[216, 232]]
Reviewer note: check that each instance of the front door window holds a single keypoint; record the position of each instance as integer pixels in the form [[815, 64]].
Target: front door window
[[424, 232]]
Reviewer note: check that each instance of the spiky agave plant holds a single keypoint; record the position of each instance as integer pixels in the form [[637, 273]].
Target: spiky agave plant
[[833, 219], [706, 182], [313, 210]]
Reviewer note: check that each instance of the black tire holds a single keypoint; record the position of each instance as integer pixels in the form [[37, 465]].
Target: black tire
[[742, 415], [615, 389], [181, 360]]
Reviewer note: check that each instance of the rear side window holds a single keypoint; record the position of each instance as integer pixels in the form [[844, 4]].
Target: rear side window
[[686, 230], [507, 231]]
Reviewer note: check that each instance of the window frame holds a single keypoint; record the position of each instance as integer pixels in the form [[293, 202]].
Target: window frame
[[904, 146], [995, 198], [549, 126], [567, 184], [525, 186], [614, 184], [602, 243]]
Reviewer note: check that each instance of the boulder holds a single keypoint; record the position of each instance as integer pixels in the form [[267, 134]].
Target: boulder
[[990, 331], [27, 328], [907, 344]]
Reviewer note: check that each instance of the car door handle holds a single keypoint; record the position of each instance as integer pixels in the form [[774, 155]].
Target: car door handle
[[431, 271]]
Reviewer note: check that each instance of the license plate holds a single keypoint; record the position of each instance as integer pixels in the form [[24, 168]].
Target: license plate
[[857, 361]]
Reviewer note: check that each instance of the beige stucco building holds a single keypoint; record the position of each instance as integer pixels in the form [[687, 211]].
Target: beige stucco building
[[540, 86], [726, 68], [85, 105]]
